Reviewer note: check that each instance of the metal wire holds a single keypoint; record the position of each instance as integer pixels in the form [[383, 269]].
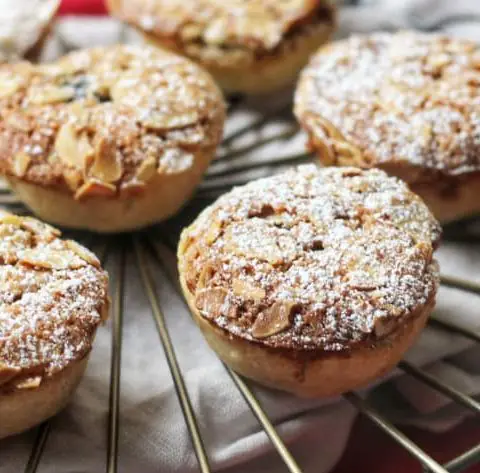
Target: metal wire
[[442, 387], [465, 332], [115, 367], [171, 358], [393, 432], [465, 460], [161, 252], [39, 446], [458, 283]]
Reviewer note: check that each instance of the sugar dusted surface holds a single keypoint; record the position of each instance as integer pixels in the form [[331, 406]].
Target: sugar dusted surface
[[347, 252], [51, 299], [124, 105], [405, 97]]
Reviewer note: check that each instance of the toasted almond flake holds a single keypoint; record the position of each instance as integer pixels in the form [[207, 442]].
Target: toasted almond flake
[[147, 169], [51, 95], [29, 383], [83, 253], [274, 320], [107, 166], [212, 301], [247, 291], [95, 188], [35, 226], [10, 219], [21, 162], [48, 258], [216, 31], [191, 31], [73, 178], [132, 188], [72, 149], [168, 121], [8, 87]]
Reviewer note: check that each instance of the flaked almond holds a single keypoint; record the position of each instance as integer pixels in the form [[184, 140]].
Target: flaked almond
[[348, 153], [216, 31], [191, 31], [48, 258], [35, 226], [132, 188], [21, 162], [213, 232], [73, 150], [83, 253], [245, 290], [51, 95], [73, 178], [274, 320], [29, 383], [10, 219], [7, 373], [168, 121], [8, 87], [95, 188], [147, 169], [107, 166], [212, 301], [206, 274]]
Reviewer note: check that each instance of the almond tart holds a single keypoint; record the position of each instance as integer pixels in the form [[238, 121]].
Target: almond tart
[[315, 281], [107, 139], [53, 296], [251, 47], [408, 103]]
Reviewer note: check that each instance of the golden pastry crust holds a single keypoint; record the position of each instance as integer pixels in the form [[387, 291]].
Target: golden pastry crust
[[313, 261], [235, 37], [102, 123], [395, 99], [53, 296]]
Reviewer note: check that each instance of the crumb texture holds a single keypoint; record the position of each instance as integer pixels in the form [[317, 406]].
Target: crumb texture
[[53, 295], [405, 98], [312, 259], [104, 121]]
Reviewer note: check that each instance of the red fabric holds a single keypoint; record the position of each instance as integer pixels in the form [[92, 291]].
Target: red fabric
[[369, 449], [82, 7]]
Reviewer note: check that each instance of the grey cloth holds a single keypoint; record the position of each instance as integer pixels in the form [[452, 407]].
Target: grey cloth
[[153, 434]]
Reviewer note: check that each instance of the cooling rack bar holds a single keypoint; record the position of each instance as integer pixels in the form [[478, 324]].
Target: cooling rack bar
[[171, 357], [161, 253], [468, 333], [115, 367], [7, 198], [44, 429], [260, 414], [38, 447], [393, 432], [457, 283], [440, 386], [280, 161], [239, 152], [258, 123], [465, 460]]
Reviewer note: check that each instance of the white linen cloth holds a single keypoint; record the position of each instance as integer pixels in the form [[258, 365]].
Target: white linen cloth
[[153, 434]]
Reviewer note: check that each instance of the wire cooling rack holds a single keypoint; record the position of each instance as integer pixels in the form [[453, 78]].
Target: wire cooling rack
[[161, 242]]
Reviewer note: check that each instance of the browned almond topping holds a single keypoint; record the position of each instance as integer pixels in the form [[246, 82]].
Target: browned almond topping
[[274, 320], [95, 188], [73, 178], [51, 95], [51, 301], [83, 253], [312, 258], [107, 166], [8, 87], [247, 291], [72, 149], [21, 163], [212, 301], [29, 383], [147, 169]]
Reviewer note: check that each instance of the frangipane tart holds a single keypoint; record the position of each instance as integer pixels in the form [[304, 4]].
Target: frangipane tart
[[108, 139], [53, 296], [315, 281], [251, 47], [408, 103], [24, 27]]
